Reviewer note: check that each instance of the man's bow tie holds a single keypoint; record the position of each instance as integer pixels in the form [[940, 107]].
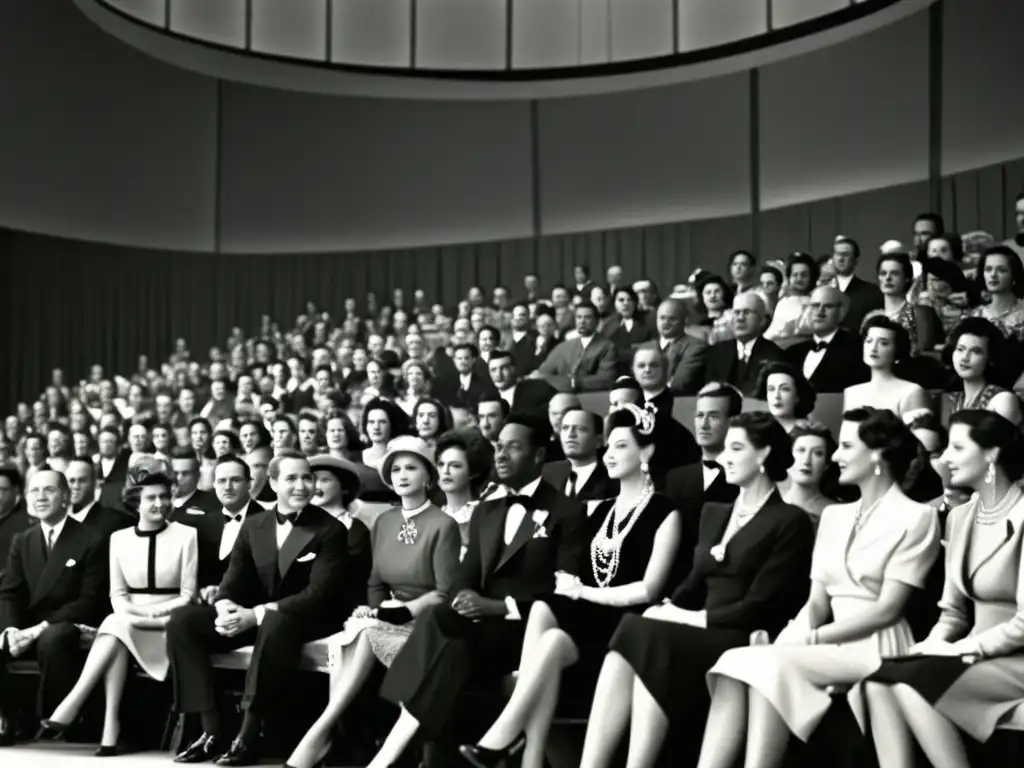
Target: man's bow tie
[[819, 346], [282, 519], [710, 464], [228, 518], [499, 491]]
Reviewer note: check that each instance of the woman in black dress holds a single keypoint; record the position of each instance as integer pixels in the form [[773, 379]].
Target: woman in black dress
[[635, 541], [750, 573]]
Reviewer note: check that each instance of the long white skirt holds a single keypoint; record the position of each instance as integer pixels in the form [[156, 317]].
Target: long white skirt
[[795, 678]]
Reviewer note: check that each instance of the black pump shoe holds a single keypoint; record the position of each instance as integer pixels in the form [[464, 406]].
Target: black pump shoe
[[51, 730], [105, 751], [482, 757], [202, 750]]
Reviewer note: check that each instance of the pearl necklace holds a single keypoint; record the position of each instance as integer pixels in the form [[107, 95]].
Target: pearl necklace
[[606, 546], [986, 517], [741, 515], [862, 514]]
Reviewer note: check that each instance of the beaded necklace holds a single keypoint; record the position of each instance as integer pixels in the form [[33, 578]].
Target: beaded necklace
[[606, 546]]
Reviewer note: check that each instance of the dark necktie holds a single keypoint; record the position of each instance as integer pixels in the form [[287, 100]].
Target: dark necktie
[[49, 541], [572, 485], [712, 465], [820, 346]]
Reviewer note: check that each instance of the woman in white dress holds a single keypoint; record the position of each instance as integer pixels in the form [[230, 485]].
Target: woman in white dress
[[886, 343], [869, 557], [153, 571]]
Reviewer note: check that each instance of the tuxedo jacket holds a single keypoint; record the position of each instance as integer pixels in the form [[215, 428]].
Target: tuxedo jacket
[[597, 488], [864, 297], [480, 388], [685, 487], [305, 577], [532, 396], [594, 369], [723, 363], [840, 367], [113, 482], [68, 584], [525, 568], [687, 359], [764, 578], [204, 501], [209, 527], [106, 521]]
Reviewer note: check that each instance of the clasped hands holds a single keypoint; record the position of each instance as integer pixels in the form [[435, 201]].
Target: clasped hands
[[18, 641], [232, 619], [666, 611], [935, 647], [472, 605], [568, 585]]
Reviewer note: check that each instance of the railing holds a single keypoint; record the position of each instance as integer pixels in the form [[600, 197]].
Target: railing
[[519, 38]]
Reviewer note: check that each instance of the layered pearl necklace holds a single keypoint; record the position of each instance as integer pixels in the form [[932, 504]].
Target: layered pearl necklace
[[986, 517], [606, 546]]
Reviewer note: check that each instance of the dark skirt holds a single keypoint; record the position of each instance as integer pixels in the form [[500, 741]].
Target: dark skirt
[[672, 661], [930, 676], [591, 627]]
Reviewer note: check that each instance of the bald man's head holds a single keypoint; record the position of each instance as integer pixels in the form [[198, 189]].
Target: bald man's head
[[748, 315], [828, 306]]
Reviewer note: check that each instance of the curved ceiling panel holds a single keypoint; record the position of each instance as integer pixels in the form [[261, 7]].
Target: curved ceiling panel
[[483, 49]]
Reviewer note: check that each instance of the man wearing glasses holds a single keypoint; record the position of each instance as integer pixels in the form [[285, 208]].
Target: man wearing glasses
[[832, 359], [55, 581]]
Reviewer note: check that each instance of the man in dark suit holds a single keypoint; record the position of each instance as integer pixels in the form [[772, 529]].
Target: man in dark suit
[[523, 395], [833, 358], [55, 579], [521, 341], [693, 485], [674, 444], [469, 386], [280, 591], [584, 364], [81, 477], [112, 466], [185, 466], [218, 531], [863, 297], [685, 354], [558, 406], [581, 274], [738, 361], [581, 475], [522, 533]]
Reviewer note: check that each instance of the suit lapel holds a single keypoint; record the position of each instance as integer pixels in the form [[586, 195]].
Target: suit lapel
[[63, 549], [596, 481], [492, 536], [523, 534], [1013, 522], [263, 542], [297, 541]]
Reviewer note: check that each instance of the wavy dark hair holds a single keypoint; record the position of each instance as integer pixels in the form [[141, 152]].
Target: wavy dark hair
[[764, 431], [396, 417], [998, 370], [444, 412], [1016, 269], [830, 479], [901, 339], [727, 295], [990, 430], [479, 455], [805, 395]]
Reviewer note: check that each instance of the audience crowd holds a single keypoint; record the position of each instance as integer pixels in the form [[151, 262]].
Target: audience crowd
[[416, 500]]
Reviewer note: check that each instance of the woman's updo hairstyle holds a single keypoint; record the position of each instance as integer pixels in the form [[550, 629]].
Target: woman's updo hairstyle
[[147, 470], [990, 430], [641, 421], [883, 431], [764, 431]]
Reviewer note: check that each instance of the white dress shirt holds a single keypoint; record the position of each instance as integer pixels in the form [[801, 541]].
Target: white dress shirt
[[710, 475], [585, 341], [464, 379], [583, 474], [183, 501], [627, 323], [843, 282], [743, 349], [813, 359], [57, 529], [231, 528], [518, 336], [509, 395], [80, 515], [513, 520], [107, 465]]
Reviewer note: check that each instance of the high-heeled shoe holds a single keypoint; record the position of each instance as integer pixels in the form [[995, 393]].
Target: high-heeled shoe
[[482, 757], [107, 751], [51, 730]]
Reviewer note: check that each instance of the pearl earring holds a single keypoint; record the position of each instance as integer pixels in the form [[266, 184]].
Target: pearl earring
[[878, 470], [761, 469], [990, 475], [645, 468]]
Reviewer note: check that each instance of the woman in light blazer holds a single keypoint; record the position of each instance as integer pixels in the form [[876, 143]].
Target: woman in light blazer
[[966, 675]]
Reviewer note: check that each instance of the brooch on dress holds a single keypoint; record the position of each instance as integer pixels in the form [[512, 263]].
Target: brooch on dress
[[407, 534]]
